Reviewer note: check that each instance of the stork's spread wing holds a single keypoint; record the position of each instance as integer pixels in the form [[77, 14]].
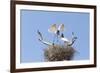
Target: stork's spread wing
[[53, 28], [61, 27]]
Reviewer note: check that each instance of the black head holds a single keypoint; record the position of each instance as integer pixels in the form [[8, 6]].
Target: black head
[[58, 32], [62, 35]]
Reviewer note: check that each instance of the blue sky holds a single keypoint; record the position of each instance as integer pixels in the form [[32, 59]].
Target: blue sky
[[32, 20]]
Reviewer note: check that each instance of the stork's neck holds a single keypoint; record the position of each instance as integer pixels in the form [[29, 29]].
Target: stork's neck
[[73, 40]]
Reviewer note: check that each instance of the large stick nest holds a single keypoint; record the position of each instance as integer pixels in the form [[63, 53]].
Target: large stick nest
[[59, 53]]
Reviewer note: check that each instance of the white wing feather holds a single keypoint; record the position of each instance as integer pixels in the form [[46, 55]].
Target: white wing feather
[[53, 28], [61, 27], [65, 39]]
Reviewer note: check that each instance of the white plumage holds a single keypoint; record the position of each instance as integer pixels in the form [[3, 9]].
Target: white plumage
[[53, 28], [65, 39], [61, 27]]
